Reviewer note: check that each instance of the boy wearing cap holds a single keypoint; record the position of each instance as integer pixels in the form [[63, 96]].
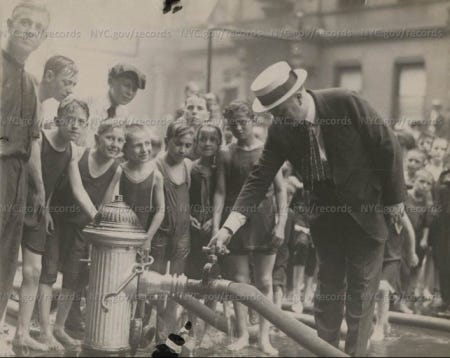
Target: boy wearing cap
[[351, 162], [124, 80], [19, 131]]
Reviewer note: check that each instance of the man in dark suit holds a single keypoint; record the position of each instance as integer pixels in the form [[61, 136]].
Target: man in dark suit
[[351, 163]]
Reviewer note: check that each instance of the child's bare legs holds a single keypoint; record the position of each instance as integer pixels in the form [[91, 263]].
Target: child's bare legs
[[45, 303], [298, 276], [382, 309], [5, 346], [263, 281], [64, 304], [31, 271], [309, 291], [238, 269], [278, 295]]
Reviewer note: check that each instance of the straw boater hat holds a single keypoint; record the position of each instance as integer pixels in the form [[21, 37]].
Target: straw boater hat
[[275, 85]]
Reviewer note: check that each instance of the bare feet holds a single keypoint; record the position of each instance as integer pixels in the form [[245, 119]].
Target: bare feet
[[402, 307], [67, 341], [6, 349], [25, 344], [266, 347], [378, 334], [51, 342], [239, 344]]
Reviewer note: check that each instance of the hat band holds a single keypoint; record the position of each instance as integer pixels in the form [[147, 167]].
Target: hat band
[[280, 91]]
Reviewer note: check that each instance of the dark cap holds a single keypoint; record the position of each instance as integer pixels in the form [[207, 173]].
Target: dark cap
[[123, 68]]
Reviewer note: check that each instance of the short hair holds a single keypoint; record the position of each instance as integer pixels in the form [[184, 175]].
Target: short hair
[[31, 5], [424, 172], [110, 124], [425, 134], [440, 138], [238, 106], [199, 96], [58, 63], [69, 104], [213, 126], [418, 151], [178, 129], [132, 128]]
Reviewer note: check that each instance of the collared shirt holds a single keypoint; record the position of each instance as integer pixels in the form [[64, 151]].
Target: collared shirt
[[311, 117], [18, 123], [98, 108], [235, 220]]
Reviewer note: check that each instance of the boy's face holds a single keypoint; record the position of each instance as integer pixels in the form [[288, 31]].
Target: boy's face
[[195, 111], [179, 148], [422, 184], [27, 29], [139, 147], [110, 143], [62, 84], [424, 144], [414, 161], [241, 126], [439, 149], [208, 142], [72, 125], [123, 89]]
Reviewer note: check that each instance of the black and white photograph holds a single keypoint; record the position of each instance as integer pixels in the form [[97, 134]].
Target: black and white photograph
[[225, 178]]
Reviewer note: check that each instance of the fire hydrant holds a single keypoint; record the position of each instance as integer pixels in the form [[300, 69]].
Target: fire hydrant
[[115, 240]]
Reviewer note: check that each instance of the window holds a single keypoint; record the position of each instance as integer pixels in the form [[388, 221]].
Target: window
[[351, 3], [410, 90], [349, 77]]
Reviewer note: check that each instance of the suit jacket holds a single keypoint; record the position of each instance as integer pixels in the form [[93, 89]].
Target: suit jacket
[[363, 153]]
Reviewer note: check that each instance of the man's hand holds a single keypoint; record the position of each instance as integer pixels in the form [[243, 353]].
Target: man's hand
[[220, 241], [395, 211], [277, 236]]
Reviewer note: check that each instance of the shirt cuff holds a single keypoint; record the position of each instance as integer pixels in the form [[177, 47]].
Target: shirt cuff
[[234, 221]]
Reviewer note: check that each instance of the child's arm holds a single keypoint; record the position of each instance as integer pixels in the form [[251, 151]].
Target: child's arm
[[35, 169], [77, 187], [160, 209], [411, 240], [219, 195], [282, 207], [424, 240], [113, 187]]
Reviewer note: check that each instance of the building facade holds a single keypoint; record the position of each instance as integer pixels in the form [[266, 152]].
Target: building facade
[[396, 53]]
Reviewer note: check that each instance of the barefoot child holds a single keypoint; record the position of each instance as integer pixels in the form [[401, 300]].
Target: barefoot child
[[418, 205], [172, 243], [100, 171], [203, 188], [259, 235], [141, 183], [390, 276], [38, 244]]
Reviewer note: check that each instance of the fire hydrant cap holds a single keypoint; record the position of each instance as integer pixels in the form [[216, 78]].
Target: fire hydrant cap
[[117, 222]]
